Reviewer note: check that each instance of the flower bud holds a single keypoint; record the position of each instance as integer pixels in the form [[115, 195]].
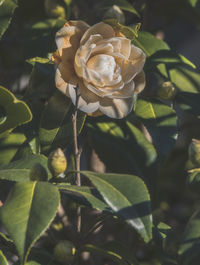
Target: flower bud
[[194, 152], [166, 91], [53, 9], [57, 162], [38, 173], [64, 252], [115, 12]]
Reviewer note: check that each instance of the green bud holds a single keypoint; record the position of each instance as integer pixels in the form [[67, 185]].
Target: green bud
[[54, 9], [57, 162], [38, 173], [194, 152], [64, 252], [116, 13], [166, 91]]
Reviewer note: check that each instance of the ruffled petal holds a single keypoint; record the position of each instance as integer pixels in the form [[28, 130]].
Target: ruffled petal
[[116, 108], [126, 92], [140, 82], [105, 30], [60, 83], [87, 102]]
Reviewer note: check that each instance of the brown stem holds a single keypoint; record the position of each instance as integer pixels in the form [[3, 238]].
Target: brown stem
[[77, 154]]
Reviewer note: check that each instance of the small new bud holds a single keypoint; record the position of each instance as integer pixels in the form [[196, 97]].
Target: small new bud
[[166, 91], [54, 10], [57, 162], [194, 152], [115, 12], [64, 252], [38, 173]]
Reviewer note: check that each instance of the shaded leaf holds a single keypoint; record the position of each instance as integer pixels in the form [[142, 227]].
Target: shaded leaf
[[20, 170], [189, 248], [128, 197], [36, 204], [133, 152], [85, 195], [160, 121], [7, 8], [123, 4], [17, 112], [9, 146]]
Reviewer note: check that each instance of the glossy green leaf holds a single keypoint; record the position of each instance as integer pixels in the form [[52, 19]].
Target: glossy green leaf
[[128, 197], [123, 4], [9, 146], [106, 253], [3, 260], [5, 237], [7, 8], [189, 248], [32, 205], [56, 123], [169, 57], [20, 170], [149, 43], [160, 121], [40, 257], [133, 152], [85, 195], [17, 112], [187, 82]]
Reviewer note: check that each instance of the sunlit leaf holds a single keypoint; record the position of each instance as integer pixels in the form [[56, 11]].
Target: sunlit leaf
[[128, 197], [33, 206], [3, 260]]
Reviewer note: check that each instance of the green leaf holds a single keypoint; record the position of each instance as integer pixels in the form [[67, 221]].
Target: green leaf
[[9, 146], [56, 123], [129, 32], [17, 112], [169, 57], [5, 237], [109, 254], [20, 170], [189, 248], [160, 121], [133, 152], [128, 197], [7, 8], [32, 206], [3, 260], [85, 195], [123, 4], [149, 43]]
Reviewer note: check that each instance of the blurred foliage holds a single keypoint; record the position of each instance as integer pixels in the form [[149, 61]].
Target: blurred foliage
[[145, 208]]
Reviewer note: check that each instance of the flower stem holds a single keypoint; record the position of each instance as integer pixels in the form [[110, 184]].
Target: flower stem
[[77, 155]]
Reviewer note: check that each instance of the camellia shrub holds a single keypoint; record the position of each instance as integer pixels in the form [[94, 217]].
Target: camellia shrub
[[99, 133]]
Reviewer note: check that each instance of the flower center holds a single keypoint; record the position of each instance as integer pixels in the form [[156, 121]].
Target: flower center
[[103, 64]]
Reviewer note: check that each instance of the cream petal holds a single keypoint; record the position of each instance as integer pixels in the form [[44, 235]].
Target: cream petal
[[87, 101], [140, 82], [120, 45], [126, 92], [116, 108], [67, 72], [71, 29], [60, 83], [103, 91], [105, 30]]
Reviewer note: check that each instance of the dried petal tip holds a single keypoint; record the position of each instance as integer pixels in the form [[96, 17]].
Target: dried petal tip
[[194, 152], [57, 162], [38, 173], [166, 91]]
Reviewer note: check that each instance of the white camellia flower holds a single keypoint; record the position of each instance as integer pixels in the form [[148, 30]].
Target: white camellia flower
[[102, 64]]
